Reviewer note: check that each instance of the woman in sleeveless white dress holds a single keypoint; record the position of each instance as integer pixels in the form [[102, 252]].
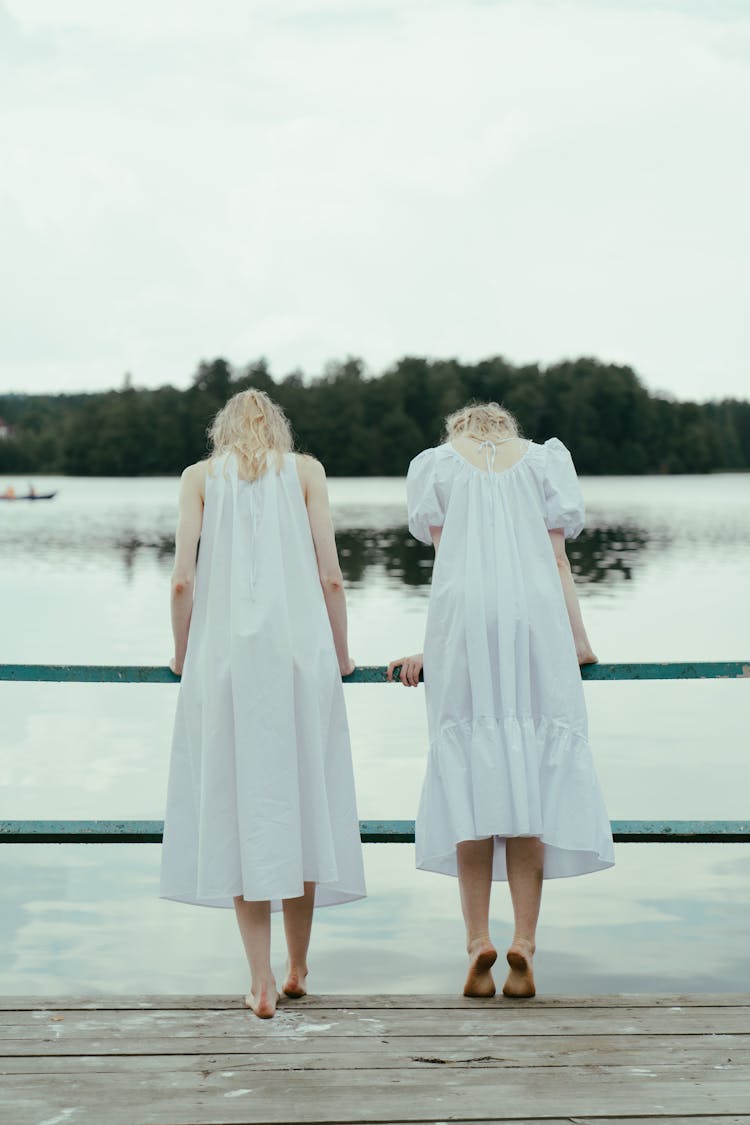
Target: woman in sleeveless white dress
[[511, 791], [261, 810]]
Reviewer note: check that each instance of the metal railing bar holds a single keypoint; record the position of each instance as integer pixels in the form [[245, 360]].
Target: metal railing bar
[[367, 674], [371, 831]]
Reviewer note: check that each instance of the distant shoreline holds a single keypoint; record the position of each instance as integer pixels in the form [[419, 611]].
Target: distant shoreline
[[361, 425]]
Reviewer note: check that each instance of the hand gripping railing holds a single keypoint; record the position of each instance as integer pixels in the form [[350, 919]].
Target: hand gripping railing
[[371, 831]]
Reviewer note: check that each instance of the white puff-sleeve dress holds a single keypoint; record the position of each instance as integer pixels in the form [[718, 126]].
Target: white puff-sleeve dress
[[509, 752]]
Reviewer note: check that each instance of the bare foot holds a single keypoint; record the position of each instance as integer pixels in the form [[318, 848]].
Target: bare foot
[[482, 956], [520, 982], [294, 985], [586, 655], [263, 1002]]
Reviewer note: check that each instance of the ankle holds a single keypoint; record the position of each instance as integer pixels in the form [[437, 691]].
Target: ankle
[[478, 938], [261, 984], [528, 943]]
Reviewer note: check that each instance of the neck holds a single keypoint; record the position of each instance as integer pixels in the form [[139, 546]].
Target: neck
[[497, 438]]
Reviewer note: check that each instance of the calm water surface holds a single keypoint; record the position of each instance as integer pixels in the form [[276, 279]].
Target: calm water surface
[[662, 572]]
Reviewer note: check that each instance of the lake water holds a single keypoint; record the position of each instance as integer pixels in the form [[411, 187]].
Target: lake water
[[662, 572]]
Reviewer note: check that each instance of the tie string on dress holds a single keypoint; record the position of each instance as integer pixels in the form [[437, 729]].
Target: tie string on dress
[[490, 451]]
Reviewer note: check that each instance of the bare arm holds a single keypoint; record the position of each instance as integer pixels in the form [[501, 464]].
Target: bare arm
[[584, 650], [313, 478], [189, 526]]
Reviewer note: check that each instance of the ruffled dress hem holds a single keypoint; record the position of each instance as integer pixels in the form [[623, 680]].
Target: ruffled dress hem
[[511, 778], [559, 862]]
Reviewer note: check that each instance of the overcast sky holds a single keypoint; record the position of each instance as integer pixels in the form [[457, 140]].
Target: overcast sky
[[305, 180]]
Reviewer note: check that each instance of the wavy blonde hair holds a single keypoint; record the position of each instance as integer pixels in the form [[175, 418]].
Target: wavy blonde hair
[[250, 426], [481, 420]]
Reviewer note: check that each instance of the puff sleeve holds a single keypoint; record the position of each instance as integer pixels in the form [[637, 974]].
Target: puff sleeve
[[425, 509], [564, 506]]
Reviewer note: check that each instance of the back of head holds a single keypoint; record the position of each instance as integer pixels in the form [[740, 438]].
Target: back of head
[[483, 421], [250, 426]]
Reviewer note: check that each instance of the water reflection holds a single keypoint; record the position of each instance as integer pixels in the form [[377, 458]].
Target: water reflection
[[98, 523], [601, 554], [132, 547], [609, 553], [393, 550]]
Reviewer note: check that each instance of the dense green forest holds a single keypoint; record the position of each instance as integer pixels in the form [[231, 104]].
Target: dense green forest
[[362, 425]]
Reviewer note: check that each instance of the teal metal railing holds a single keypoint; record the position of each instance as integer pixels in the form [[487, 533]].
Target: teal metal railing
[[371, 831], [368, 674]]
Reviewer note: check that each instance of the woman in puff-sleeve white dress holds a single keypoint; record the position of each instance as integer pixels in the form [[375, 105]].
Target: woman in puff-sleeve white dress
[[510, 791]]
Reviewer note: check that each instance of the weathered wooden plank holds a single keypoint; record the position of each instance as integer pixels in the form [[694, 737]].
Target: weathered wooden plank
[[376, 1095], [316, 1052], [653, 1119], [350, 1024], [371, 831], [321, 1061], [693, 1119], [438, 1001]]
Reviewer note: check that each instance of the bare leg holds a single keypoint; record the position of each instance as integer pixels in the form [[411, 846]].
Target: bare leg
[[254, 920], [298, 916], [525, 862], [475, 883]]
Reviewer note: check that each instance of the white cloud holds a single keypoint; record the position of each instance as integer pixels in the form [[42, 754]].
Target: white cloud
[[307, 180]]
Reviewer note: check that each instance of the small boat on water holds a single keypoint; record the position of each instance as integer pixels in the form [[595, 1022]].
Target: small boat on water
[[29, 496]]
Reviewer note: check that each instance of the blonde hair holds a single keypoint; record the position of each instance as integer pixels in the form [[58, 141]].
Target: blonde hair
[[481, 420], [250, 426]]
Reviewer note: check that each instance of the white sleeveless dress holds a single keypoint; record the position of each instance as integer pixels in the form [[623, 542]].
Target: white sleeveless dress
[[261, 791], [509, 752]]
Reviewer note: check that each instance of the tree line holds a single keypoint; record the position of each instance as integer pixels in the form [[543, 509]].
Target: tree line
[[363, 425]]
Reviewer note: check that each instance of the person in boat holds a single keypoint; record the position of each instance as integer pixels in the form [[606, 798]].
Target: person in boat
[[32, 491], [261, 810], [510, 791], [10, 493]]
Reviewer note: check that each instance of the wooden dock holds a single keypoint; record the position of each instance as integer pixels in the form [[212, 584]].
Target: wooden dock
[[178, 1060]]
